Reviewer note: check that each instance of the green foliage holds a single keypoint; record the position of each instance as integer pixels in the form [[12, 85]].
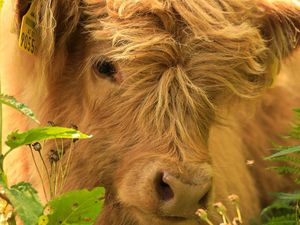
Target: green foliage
[[16, 139], [76, 208], [284, 151], [288, 158], [296, 127], [288, 197], [284, 205], [289, 219], [12, 102], [1, 4], [25, 201], [285, 210]]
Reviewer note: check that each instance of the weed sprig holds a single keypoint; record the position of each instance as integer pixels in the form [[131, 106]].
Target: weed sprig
[[220, 208]]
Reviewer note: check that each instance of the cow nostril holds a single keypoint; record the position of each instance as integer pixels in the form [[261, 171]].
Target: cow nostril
[[204, 200], [163, 189], [180, 194]]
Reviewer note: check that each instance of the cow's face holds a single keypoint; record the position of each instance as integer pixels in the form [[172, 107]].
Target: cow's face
[[148, 79]]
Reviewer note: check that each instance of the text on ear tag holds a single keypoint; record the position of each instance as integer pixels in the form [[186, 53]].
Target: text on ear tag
[[28, 31]]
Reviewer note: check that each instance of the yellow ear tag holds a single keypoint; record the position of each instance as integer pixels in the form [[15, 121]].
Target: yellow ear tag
[[1, 4], [28, 32]]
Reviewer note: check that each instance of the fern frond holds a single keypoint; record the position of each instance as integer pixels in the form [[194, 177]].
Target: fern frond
[[289, 219], [285, 151], [285, 209], [287, 197], [287, 170], [285, 158], [295, 133]]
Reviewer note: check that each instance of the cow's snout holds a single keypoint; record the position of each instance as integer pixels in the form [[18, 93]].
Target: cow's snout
[[180, 198], [171, 191]]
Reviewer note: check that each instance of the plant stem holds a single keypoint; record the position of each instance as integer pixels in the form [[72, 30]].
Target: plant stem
[[58, 170], [61, 167], [39, 173], [55, 178], [67, 167], [51, 182], [6, 153], [45, 167], [208, 222], [47, 171], [239, 214]]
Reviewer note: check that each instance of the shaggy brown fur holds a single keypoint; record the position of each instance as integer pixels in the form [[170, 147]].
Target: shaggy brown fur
[[189, 72]]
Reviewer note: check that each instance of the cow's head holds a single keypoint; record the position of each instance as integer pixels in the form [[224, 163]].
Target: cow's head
[[148, 79]]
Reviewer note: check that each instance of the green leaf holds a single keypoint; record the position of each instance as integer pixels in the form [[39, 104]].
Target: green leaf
[[26, 202], [290, 219], [286, 170], [12, 102], [289, 150], [16, 139], [3, 177], [287, 158], [76, 208], [275, 209], [43, 220], [297, 110], [1, 163], [287, 196], [280, 207]]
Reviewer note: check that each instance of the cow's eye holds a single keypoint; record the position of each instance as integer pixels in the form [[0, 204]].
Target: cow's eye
[[106, 68]]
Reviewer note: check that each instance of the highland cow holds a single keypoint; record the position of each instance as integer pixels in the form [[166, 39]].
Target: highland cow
[[178, 95]]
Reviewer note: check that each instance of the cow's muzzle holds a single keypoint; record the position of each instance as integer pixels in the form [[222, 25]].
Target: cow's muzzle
[[170, 191]]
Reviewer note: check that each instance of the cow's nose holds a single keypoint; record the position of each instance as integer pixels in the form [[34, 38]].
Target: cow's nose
[[179, 198]]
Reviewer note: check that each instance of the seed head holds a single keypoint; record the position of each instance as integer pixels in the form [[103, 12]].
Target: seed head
[[202, 214], [234, 198], [53, 156], [51, 124], [37, 146], [220, 207]]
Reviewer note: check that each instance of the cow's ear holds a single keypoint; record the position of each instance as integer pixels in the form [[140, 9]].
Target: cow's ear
[[56, 23], [56, 17], [22, 7], [279, 21]]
